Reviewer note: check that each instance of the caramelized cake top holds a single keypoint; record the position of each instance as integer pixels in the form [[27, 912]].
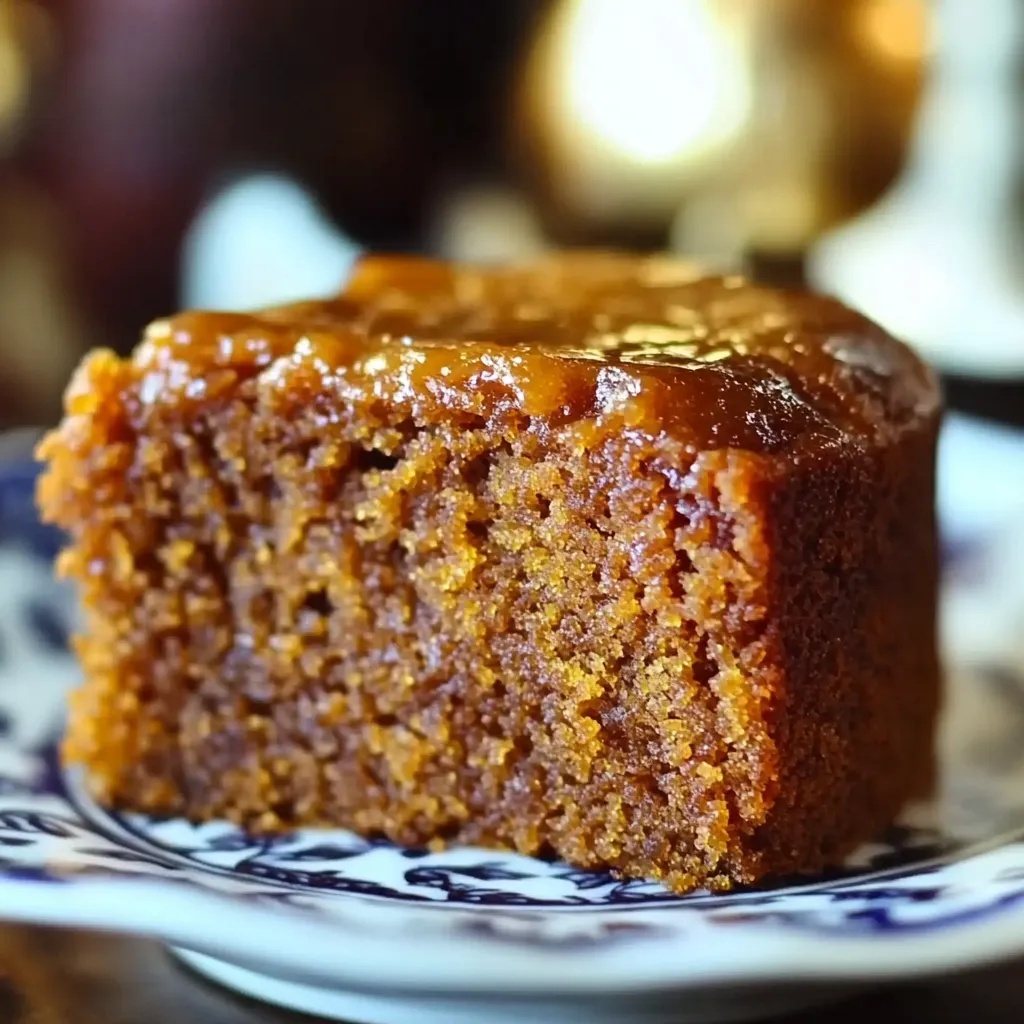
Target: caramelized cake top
[[716, 362]]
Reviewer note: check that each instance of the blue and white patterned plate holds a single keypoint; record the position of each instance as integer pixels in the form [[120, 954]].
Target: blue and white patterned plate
[[331, 923]]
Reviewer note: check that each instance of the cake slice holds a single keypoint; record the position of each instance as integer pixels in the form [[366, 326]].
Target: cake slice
[[594, 558]]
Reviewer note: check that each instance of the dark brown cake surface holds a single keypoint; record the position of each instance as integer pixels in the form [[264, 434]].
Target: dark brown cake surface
[[595, 557]]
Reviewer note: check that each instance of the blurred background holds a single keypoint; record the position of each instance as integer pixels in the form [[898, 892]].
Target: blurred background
[[230, 153]]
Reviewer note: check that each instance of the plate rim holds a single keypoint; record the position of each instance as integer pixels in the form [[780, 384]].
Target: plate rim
[[367, 961]]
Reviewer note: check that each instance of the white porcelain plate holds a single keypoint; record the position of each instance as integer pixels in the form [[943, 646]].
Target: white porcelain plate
[[334, 924]]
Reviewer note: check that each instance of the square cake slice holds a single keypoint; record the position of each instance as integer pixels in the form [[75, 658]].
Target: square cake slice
[[595, 558]]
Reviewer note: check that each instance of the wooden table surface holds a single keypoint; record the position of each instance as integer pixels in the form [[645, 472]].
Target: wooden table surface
[[52, 977]]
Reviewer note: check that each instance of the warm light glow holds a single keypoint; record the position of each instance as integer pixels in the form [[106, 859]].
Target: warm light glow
[[13, 69], [653, 80], [897, 29], [27, 46]]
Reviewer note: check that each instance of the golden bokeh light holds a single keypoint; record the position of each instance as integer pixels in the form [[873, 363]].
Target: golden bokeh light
[[630, 101], [896, 29], [656, 81], [14, 71]]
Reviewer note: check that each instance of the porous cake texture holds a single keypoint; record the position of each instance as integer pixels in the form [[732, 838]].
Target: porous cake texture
[[596, 558]]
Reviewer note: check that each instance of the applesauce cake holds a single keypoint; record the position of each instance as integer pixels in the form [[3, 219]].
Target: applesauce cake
[[595, 558]]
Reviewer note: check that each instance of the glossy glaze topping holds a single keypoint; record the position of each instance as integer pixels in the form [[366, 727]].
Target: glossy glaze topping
[[715, 361]]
